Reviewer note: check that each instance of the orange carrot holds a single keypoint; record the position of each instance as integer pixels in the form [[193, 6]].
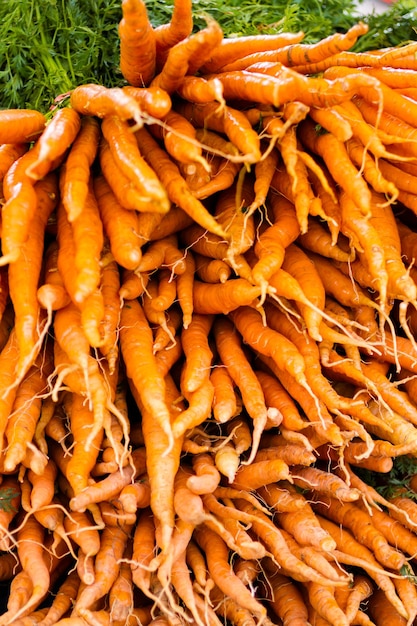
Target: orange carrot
[[187, 56], [197, 352], [100, 101], [224, 297], [78, 163], [9, 153], [20, 125], [177, 29], [224, 402], [170, 177], [137, 44], [185, 290], [58, 135], [124, 148], [217, 562], [120, 225]]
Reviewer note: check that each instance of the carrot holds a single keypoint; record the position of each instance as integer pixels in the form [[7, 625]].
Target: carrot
[[227, 461], [171, 179], [200, 90], [154, 101], [323, 601], [80, 529], [185, 290], [224, 401], [319, 239], [161, 480], [264, 171], [259, 473], [52, 294], [278, 85], [320, 481], [82, 424], [217, 562], [163, 252], [187, 56], [332, 121], [233, 357], [20, 125], [30, 550], [178, 28], [26, 411], [78, 163], [283, 498], [383, 612], [197, 351], [88, 244], [110, 285], [232, 48], [361, 525], [211, 270], [28, 317], [224, 297], [63, 600], [100, 101], [299, 53], [124, 148], [277, 397], [9, 153], [229, 121], [106, 566], [269, 342], [121, 594], [137, 44], [58, 135], [179, 138], [19, 207], [286, 599]]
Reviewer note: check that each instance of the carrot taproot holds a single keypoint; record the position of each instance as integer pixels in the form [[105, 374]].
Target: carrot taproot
[[167, 291], [21, 588], [123, 146], [211, 270], [218, 565], [106, 566], [59, 134], [20, 125], [230, 349], [110, 286], [200, 90], [179, 138], [323, 601], [19, 207], [80, 528], [299, 53], [232, 48], [283, 497], [227, 461], [161, 475], [187, 56], [28, 315], [224, 297], [82, 424], [26, 411], [100, 101], [259, 473], [176, 187], [9, 153], [286, 600], [269, 342], [63, 600], [178, 28], [137, 44], [291, 453], [224, 401], [92, 314], [78, 163], [30, 547], [88, 244], [383, 612], [198, 410], [229, 121], [361, 524], [52, 294], [194, 339]]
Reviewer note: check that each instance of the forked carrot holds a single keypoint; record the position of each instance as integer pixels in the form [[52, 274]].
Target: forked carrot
[[99, 101]]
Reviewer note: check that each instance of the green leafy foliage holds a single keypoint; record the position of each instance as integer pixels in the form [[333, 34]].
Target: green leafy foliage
[[9, 499], [48, 47]]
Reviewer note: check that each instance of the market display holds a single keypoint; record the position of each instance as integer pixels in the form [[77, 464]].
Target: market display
[[208, 348]]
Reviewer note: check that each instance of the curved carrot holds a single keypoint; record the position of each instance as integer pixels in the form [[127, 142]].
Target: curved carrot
[[100, 101], [20, 125], [9, 153], [137, 44], [154, 101], [224, 297], [176, 187], [57, 137], [120, 225], [132, 164]]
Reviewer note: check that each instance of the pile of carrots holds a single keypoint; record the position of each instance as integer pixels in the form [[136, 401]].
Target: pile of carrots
[[208, 336]]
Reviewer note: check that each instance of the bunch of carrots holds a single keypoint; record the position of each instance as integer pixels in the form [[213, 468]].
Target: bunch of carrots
[[208, 336]]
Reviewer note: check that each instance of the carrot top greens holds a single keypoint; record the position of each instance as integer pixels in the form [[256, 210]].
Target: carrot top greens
[[48, 47]]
